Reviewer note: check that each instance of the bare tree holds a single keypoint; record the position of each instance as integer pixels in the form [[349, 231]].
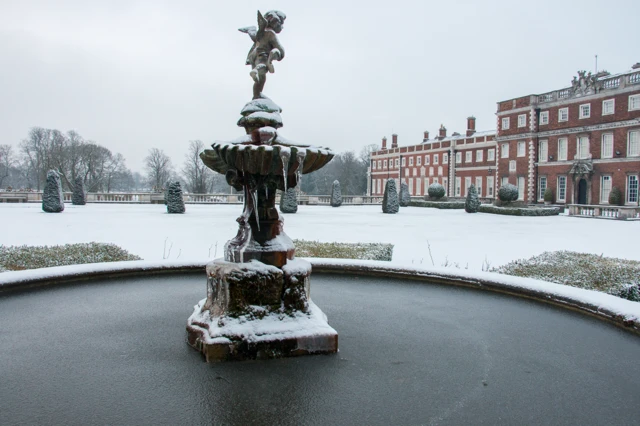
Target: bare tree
[[7, 162], [194, 171], [158, 166]]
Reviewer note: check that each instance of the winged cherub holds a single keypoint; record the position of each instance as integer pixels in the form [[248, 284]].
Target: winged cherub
[[266, 47]]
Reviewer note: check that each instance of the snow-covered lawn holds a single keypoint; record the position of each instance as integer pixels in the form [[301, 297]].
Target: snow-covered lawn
[[455, 237]]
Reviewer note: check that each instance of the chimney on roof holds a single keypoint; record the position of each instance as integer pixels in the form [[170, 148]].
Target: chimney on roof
[[394, 141], [471, 125], [442, 133], [384, 142], [426, 135]]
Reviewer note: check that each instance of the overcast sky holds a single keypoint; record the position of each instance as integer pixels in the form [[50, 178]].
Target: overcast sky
[[136, 74]]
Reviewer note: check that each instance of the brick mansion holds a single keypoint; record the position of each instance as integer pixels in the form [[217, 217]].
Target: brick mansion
[[580, 141]]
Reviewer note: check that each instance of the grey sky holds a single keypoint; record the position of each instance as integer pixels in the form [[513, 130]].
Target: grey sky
[[133, 75]]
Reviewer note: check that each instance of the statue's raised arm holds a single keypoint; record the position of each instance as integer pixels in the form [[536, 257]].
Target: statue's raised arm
[[266, 47]]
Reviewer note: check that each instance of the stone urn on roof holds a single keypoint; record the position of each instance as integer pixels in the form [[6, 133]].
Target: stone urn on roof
[[258, 302]]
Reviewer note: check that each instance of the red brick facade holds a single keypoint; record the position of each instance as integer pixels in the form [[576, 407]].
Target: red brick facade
[[579, 141]]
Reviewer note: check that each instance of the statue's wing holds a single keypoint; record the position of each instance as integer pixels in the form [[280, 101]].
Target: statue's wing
[[249, 30], [262, 25]]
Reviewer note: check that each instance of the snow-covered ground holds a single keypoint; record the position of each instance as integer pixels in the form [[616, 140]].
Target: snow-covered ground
[[455, 237]]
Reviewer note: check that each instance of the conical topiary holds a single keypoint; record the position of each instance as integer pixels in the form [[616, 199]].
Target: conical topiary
[[336, 194], [405, 197], [289, 201], [390, 199], [175, 203], [79, 196], [472, 203], [52, 197]]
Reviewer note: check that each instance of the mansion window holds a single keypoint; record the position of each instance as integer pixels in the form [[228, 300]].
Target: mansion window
[[479, 185], [512, 165], [521, 149], [404, 160], [543, 152], [491, 154], [430, 171], [489, 186], [467, 157], [582, 150], [445, 158], [505, 180], [419, 160], [634, 102], [544, 118], [467, 184], [632, 189], [479, 155], [607, 145], [562, 188], [608, 107], [411, 161], [605, 189], [633, 144], [435, 158], [440, 171], [522, 120], [562, 149], [563, 114], [458, 157], [542, 186], [427, 159], [585, 111], [505, 122], [458, 183], [397, 162], [504, 150], [520, 188], [379, 163]]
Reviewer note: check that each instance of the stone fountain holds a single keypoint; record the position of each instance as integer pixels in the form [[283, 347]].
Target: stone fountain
[[258, 302]]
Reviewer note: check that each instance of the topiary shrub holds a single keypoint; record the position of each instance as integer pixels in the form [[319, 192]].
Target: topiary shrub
[[79, 196], [436, 191], [472, 203], [52, 197], [508, 193], [175, 203], [289, 201], [629, 292], [405, 196], [390, 202], [336, 194], [548, 195], [615, 197]]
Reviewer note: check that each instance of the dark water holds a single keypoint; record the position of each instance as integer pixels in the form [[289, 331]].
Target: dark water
[[410, 353]]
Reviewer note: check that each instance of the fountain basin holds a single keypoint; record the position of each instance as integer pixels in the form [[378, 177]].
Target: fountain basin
[[414, 350]]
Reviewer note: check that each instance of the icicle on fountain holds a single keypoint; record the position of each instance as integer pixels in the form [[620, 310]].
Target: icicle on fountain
[[258, 302]]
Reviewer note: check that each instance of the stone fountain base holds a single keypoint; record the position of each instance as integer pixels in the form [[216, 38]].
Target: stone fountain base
[[258, 311]]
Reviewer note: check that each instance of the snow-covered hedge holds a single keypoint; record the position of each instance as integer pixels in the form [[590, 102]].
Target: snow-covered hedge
[[436, 191], [508, 192], [18, 258], [519, 211], [361, 251], [438, 204]]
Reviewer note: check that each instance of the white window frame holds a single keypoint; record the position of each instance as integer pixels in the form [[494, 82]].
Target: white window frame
[[585, 111], [440, 171], [458, 157], [397, 162], [541, 187], [633, 143], [458, 184], [512, 165], [410, 161], [521, 150], [385, 164], [379, 164], [543, 151], [445, 158], [522, 120], [563, 115], [491, 154], [504, 150], [430, 171], [505, 123], [479, 155], [404, 161], [479, 185], [607, 145], [544, 118], [468, 157], [427, 159], [608, 106], [445, 184], [419, 161], [467, 184], [521, 186], [632, 190], [563, 153], [505, 180], [582, 153], [634, 102], [605, 190], [436, 158], [489, 186], [562, 189]]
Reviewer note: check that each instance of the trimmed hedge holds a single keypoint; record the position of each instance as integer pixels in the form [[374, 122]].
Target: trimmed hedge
[[361, 251], [438, 204], [515, 211]]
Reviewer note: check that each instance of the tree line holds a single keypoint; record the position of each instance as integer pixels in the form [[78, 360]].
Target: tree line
[[101, 170]]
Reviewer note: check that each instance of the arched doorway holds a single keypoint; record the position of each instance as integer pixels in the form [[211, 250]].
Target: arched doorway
[[582, 191]]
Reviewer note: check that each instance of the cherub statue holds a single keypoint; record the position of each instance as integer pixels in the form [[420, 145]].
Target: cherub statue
[[266, 48]]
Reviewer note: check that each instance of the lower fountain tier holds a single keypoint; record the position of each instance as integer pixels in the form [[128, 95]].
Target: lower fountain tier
[[255, 311], [276, 335]]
